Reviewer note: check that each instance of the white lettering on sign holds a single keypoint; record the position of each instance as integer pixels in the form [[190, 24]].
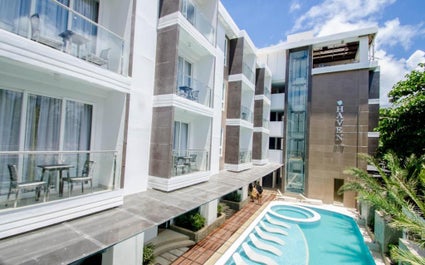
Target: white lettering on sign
[[339, 121]]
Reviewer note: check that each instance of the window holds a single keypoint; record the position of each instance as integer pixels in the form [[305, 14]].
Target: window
[[276, 116], [226, 50], [223, 96], [275, 143], [45, 128], [181, 135], [278, 89], [184, 73]]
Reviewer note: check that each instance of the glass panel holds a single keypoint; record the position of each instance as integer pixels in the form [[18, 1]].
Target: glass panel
[[78, 120], [180, 138], [53, 19], [14, 16], [10, 117], [296, 122], [42, 132]]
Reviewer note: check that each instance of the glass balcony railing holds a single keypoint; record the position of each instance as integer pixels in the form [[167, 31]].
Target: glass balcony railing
[[244, 156], [198, 20], [248, 73], [59, 27], [195, 90], [246, 114], [267, 93], [34, 177], [189, 161], [266, 123]]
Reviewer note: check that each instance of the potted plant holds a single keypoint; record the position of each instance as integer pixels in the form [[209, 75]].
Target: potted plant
[[148, 254], [234, 200]]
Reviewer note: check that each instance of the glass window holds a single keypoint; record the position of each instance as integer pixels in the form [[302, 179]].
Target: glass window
[[181, 133], [184, 73], [296, 120], [45, 128], [14, 16], [10, 120]]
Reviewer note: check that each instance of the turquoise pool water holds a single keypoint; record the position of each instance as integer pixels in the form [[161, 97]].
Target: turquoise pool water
[[275, 237]]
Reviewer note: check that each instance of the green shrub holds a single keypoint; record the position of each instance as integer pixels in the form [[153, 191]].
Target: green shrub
[[219, 209], [198, 221], [148, 256], [191, 220], [233, 196]]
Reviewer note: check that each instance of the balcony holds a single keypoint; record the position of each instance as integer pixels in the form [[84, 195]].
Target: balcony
[[65, 30], [246, 114], [267, 93], [266, 123], [189, 161], [62, 174], [244, 156], [195, 90], [248, 73], [192, 13]]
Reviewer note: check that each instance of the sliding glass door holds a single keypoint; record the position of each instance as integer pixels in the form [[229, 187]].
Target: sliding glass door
[[32, 122]]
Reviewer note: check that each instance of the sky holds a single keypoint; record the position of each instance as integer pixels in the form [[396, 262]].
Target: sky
[[399, 44]]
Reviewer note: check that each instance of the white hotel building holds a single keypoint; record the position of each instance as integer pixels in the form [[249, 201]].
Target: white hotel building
[[173, 105]]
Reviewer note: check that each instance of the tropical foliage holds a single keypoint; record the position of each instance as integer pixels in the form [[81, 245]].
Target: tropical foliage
[[191, 220], [148, 254], [401, 127], [399, 193]]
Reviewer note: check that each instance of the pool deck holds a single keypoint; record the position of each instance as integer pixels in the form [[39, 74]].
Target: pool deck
[[210, 249]]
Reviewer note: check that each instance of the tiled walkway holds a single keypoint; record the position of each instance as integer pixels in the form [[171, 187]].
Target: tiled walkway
[[218, 240]]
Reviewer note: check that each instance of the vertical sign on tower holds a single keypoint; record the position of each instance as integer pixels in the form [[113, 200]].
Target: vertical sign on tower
[[339, 121]]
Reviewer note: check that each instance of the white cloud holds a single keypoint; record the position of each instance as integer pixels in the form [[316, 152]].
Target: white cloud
[[394, 70], [294, 7], [392, 33], [334, 16]]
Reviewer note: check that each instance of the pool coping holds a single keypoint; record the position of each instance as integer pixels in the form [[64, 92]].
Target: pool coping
[[373, 247]]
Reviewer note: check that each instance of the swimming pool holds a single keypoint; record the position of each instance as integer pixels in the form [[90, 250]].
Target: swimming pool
[[291, 234]]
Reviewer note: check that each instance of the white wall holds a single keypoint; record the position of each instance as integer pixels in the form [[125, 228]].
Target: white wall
[[276, 128], [140, 118], [128, 252], [276, 156], [278, 102]]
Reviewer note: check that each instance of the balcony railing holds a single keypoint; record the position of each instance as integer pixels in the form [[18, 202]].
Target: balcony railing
[[246, 114], [189, 161], [266, 123], [248, 73], [244, 156], [195, 90], [58, 173], [66, 30], [267, 93], [198, 20]]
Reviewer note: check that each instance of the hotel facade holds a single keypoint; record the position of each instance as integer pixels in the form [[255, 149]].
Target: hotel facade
[[118, 116]]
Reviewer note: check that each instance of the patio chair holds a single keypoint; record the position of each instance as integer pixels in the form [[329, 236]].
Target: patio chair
[[179, 163], [38, 37], [191, 162], [16, 187], [86, 176]]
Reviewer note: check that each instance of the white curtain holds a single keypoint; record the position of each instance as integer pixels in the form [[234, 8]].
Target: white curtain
[[53, 17], [42, 132], [14, 15], [77, 135], [10, 117], [180, 138]]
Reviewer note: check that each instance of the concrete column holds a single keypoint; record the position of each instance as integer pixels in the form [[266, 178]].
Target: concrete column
[[274, 179], [209, 211], [364, 49], [127, 252], [244, 193]]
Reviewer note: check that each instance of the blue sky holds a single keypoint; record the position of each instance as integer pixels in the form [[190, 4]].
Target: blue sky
[[400, 43]]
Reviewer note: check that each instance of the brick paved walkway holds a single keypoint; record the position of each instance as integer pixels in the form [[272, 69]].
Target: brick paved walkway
[[218, 240]]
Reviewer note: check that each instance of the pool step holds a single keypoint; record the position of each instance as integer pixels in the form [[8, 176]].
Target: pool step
[[266, 247], [238, 259], [277, 222], [273, 229], [254, 256], [267, 236]]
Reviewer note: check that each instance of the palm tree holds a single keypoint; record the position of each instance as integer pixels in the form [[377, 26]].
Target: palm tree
[[399, 193]]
